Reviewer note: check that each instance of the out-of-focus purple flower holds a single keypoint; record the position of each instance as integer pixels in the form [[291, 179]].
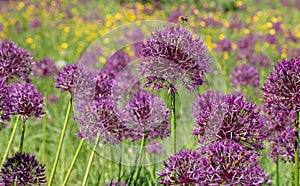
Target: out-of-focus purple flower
[[294, 52], [173, 18], [246, 42], [116, 63], [116, 183], [22, 169], [155, 148], [283, 146], [224, 45], [245, 54], [14, 61], [1, 27], [146, 114], [65, 78], [291, 37], [261, 60], [172, 54], [45, 68], [36, 22], [138, 49], [68, 13], [99, 120], [90, 56], [52, 99], [281, 89], [208, 111], [184, 168], [235, 23], [210, 21], [244, 75], [23, 99], [285, 2], [271, 39], [277, 26], [229, 163]]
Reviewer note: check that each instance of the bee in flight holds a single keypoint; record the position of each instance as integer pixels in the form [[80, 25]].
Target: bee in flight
[[182, 19]]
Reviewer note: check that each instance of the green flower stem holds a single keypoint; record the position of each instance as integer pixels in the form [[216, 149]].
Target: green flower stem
[[139, 160], [90, 162], [150, 169], [43, 148], [22, 137], [277, 171], [73, 162], [111, 165], [173, 124], [60, 141], [10, 140], [296, 177]]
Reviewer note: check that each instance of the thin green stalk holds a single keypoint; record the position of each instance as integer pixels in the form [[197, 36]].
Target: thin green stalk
[[22, 137], [43, 148], [90, 162], [73, 162], [296, 177], [111, 165], [277, 172], [173, 123], [102, 169], [60, 141], [10, 140], [150, 169], [139, 160]]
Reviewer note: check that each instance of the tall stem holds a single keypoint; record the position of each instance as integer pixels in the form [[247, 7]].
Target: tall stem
[[277, 171], [111, 164], [22, 137], [60, 141], [43, 148], [139, 160], [296, 177], [10, 140], [90, 162], [173, 123], [73, 162]]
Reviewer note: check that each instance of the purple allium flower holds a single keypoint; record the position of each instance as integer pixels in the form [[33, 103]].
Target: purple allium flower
[[65, 78], [22, 169], [146, 114], [235, 23], [235, 119], [172, 54], [104, 85], [230, 163], [25, 100], [224, 45], [247, 42], [173, 18], [99, 120], [138, 49], [244, 75], [208, 111], [52, 99], [210, 21], [155, 148], [271, 39], [14, 61], [36, 22], [283, 146], [277, 26], [117, 62], [282, 89], [116, 183], [261, 60], [45, 68], [184, 168]]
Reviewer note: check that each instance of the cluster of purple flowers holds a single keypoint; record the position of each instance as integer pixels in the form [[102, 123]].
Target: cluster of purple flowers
[[22, 169], [281, 105], [21, 98], [244, 75]]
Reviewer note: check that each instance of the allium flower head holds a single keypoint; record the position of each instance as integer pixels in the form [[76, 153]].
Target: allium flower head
[[25, 100], [45, 68], [224, 45], [208, 111], [244, 75], [282, 87], [14, 61], [230, 163], [283, 146], [23, 170], [65, 78], [174, 54], [155, 148], [116, 63], [146, 114], [235, 119], [184, 168], [99, 120]]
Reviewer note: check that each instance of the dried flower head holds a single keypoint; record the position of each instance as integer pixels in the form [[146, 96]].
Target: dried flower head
[[14, 61], [23, 170], [146, 114], [174, 54], [244, 75]]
